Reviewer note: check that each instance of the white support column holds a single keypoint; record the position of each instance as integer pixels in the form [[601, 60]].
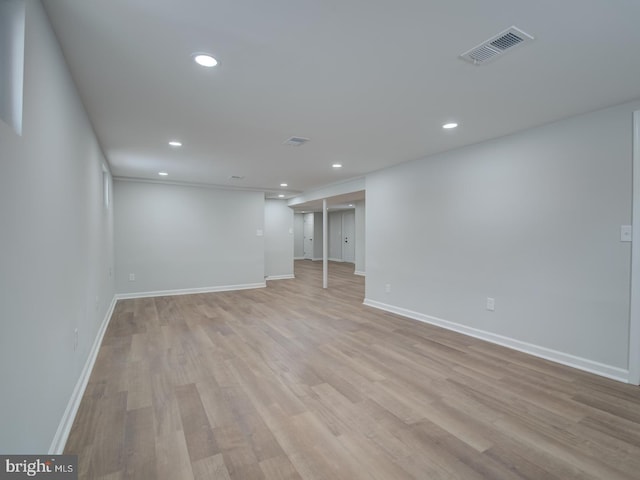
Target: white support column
[[325, 245]]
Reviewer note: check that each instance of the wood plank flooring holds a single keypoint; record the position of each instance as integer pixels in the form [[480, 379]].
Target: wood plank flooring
[[297, 382]]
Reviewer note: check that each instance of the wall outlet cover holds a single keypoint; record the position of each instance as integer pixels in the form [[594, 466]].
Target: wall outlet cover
[[626, 233], [491, 304]]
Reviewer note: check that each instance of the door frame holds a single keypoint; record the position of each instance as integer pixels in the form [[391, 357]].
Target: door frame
[[634, 310]]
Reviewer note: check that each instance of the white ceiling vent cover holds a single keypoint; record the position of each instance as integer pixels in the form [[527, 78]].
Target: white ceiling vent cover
[[295, 141], [496, 46]]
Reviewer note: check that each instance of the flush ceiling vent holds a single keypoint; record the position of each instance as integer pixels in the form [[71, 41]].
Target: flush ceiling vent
[[496, 46], [295, 141]]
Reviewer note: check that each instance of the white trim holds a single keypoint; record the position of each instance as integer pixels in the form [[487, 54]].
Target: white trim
[[325, 244], [280, 277], [580, 363], [190, 291], [336, 260], [360, 272], [298, 258], [188, 184], [634, 309], [66, 422]]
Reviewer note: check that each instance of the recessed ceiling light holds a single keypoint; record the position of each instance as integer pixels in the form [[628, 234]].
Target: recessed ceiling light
[[163, 174], [448, 126], [337, 165], [175, 143], [351, 204], [281, 196], [204, 60], [284, 185], [295, 141]]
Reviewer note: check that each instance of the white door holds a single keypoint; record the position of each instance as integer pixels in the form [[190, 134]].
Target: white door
[[349, 234], [308, 236]]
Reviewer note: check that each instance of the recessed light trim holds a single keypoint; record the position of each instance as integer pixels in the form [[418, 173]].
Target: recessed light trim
[[281, 196], [449, 126], [163, 174], [295, 141], [284, 184], [175, 143], [204, 60], [337, 165]]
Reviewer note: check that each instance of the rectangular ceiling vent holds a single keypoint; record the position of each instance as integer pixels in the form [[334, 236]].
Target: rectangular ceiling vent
[[496, 46], [295, 141]]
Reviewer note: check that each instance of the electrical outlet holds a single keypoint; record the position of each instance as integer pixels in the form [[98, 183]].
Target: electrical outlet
[[626, 233], [132, 277], [491, 304], [387, 288]]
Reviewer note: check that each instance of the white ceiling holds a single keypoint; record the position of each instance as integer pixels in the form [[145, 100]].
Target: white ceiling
[[370, 82]]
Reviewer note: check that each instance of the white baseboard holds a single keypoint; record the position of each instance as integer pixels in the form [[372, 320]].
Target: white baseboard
[[64, 428], [298, 258], [359, 272], [190, 291], [335, 259], [580, 363], [280, 277]]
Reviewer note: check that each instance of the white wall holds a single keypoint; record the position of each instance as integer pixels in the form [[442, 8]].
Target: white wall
[[360, 237], [278, 239], [298, 236], [57, 247], [532, 220], [176, 237]]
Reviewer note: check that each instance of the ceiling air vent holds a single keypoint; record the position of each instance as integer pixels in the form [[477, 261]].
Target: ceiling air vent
[[296, 141], [496, 46]]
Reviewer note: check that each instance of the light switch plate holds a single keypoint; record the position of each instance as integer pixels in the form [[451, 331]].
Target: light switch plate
[[626, 234]]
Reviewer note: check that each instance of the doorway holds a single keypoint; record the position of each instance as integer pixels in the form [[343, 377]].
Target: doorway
[[349, 235], [308, 236]]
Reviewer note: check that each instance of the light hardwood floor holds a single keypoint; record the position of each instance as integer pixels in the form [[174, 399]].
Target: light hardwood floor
[[297, 382]]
